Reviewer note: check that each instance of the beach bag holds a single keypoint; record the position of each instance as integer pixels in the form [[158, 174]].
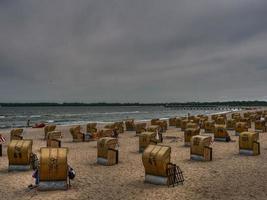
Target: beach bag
[[71, 173]]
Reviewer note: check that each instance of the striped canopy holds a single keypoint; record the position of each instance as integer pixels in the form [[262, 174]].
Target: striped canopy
[[2, 139]]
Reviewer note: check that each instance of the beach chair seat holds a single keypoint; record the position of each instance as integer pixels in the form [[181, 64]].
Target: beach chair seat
[[54, 135], [172, 121], [47, 129], [140, 127], [209, 126], [178, 122], [53, 143], [247, 121], [189, 133], [145, 139], [53, 170], [230, 124], [221, 134], [220, 120], [19, 155], [129, 124], [155, 159], [153, 121], [260, 125], [163, 125], [200, 148], [91, 128], [240, 127], [249, 144], [76, 133], [16, 134], [107, 151], [107, 132]]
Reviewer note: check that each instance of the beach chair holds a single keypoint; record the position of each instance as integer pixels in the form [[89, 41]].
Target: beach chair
[[254, 117], [139, 128], [184, 124], [247, 114], [48, 129], [107, 132], [220, 120], [154, 128], [107, 151], [178, 122], [236, 116], [54, 135], [230, 124], [247, 121], [221, 134], [129, 124], [158, 130], [248, 143], [54, 139], [200, 148], [202, 121], [16, 134], [240, 127], [117, 127], [76, 133], [2, 141], [91, 128], [209, 126], [260, 126], [145, 139], [192, 125], [162, 124], [158, 169], [153, 121], [19, 155], [172, 121], [53, 171], [214, 117], [189, 133]]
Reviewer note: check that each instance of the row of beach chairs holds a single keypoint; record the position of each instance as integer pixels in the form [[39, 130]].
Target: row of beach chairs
[[53, 166]]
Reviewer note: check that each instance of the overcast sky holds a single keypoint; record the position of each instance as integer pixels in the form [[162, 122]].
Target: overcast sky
[[133, 50]]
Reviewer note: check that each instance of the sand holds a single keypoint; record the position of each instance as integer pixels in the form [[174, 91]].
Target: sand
[[228, 176]]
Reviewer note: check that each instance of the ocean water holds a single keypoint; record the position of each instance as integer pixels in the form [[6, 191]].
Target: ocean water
[[17, 116]]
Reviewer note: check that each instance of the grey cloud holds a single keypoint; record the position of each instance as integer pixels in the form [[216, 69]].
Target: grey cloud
[[128, 51]]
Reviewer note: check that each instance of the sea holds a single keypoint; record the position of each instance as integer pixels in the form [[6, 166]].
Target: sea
[[11, 117]]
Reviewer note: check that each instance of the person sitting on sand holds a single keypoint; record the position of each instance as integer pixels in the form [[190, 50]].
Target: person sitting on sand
[[35, 166], [36, 176]]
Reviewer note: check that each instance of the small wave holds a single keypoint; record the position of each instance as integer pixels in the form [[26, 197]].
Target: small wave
[[164, 118], [96, 113], [17, 116], [50, 121], [4, 126], [222, 112], [35, 116], [120, 113], [2, 117]]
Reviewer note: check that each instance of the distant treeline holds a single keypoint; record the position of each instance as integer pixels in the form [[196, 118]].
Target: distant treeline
[[188, 104]]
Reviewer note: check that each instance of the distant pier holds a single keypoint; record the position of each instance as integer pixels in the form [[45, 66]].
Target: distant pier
[[202, 107]]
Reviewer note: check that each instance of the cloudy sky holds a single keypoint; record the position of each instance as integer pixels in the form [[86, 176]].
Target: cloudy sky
[[133, 50]]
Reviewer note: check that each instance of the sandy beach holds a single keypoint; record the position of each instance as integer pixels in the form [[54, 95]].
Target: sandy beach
[[227, 176]]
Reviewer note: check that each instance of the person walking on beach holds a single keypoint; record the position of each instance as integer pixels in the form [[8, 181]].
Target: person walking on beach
[[28, 123]]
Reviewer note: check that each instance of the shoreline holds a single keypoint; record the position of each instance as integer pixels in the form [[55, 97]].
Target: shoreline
[[103, 123]]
